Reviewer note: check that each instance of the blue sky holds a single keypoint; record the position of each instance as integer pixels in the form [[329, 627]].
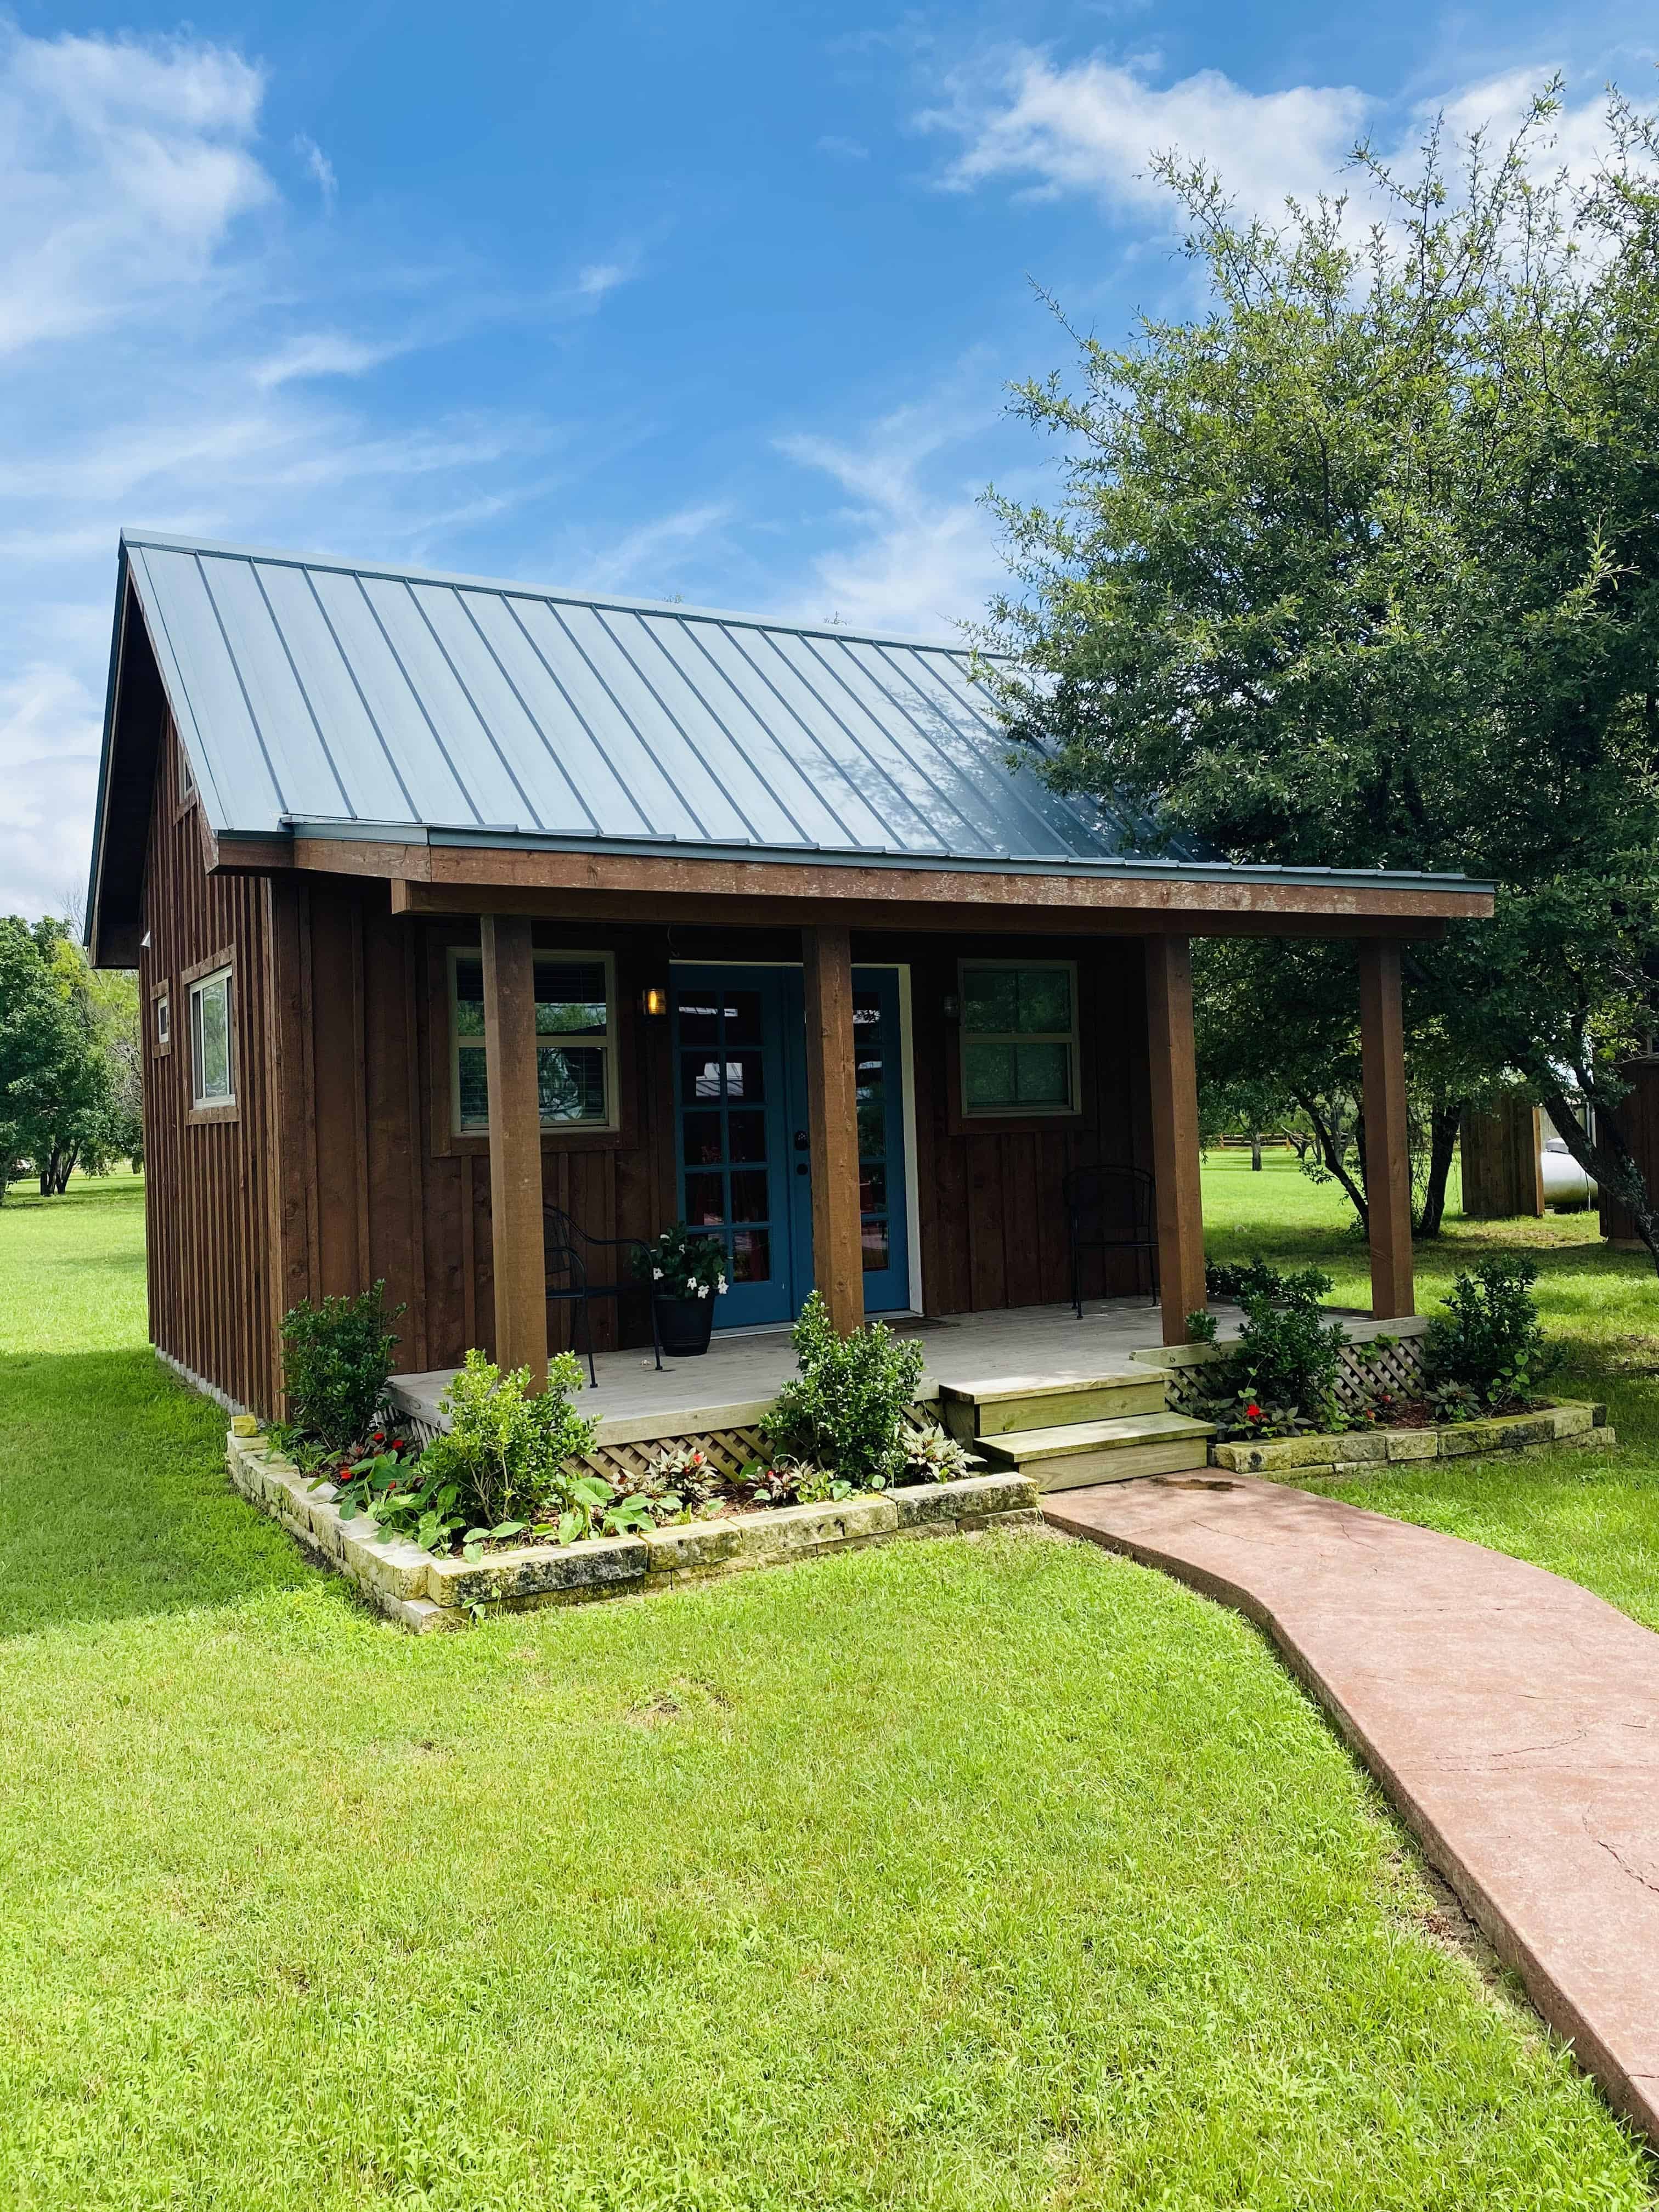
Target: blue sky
[[714, 300]]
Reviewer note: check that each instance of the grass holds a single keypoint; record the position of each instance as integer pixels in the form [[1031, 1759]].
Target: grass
[[960, 1874], [1591, 1516]]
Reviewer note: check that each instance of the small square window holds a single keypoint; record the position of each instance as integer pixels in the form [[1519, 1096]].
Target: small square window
[[1019, 1037], [161, 1018], [212, 1047], [186, 776]]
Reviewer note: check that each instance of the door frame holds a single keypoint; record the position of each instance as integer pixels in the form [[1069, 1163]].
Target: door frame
[[906, 1111]]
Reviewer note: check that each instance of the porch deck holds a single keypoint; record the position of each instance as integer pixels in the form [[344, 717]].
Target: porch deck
[[740, 1375]]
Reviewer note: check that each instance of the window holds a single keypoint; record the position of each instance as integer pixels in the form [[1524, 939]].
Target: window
[[212, 1059], [1019, 1051], [162, 998], [575, 1041], [186, 776]]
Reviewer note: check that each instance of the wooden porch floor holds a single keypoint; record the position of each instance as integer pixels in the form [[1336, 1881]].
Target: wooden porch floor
[[739, 1376]]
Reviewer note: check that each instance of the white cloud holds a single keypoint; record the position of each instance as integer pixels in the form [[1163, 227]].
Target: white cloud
[[50, 726], [124, 168], [1094, 126], [918, 554], [845, 149], [600, 277], [320, 169], [324, 353], [635, 564]]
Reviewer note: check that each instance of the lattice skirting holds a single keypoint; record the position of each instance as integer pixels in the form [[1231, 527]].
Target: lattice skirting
[[1362, 1369], [731, 1449]]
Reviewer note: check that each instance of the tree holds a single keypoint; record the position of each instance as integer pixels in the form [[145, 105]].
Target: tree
[[58, 1097], [1361, 568]]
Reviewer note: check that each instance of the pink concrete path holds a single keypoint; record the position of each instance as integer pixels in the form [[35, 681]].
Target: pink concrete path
[[1512, 1718]]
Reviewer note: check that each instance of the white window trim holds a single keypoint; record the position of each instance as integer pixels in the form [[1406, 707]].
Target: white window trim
[[1071, 1038], [162, 1003], [459, 1044], [198, 984]]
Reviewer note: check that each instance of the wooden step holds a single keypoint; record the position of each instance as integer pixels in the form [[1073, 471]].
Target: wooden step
[[1002, 1404], [1084, 1452]]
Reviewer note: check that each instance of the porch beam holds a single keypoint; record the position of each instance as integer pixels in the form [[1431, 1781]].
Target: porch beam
[[832, 1115], [515, 1145], [1175, 1154], [1388, 1158]]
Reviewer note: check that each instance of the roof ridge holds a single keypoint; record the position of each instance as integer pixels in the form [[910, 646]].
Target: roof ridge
[[394, 572]]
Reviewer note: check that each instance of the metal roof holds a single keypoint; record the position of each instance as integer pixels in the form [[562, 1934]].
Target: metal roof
[[335, 700], [376, 701]]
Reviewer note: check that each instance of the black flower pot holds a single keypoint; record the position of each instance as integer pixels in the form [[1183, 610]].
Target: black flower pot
[[684, 1325]]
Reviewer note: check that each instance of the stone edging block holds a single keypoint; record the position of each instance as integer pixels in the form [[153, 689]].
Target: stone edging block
[[1575, 1423], [423, 1592]]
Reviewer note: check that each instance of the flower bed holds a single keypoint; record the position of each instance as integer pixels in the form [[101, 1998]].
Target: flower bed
[[423, 1592], [1573, 1423]]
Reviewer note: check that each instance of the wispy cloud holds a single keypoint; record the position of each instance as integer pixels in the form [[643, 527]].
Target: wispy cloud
[[639, 561], [844, 150], [602, 276], [320, 169], [916, 552], [324, 353]]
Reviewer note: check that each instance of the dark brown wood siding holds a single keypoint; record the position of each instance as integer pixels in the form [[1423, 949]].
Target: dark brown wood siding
[[1638, 1116], [210, 1188], [342, 1038]]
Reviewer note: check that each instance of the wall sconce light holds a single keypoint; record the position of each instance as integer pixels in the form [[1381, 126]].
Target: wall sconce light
[[654, 1001], [950, 1006]]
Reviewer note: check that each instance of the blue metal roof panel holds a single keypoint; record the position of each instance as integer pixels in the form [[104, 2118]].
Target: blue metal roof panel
[[309, 690]]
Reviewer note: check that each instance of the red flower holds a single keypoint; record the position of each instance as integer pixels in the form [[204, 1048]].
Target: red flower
[[1253, 1411]]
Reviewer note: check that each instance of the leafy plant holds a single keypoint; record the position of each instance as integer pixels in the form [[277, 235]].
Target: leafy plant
[[1489, 1340], [337, 1361], [1201, 1326], [846, 1408], [932, 1456], [508, 1454], [677, 1483], [782, 1481], [1233, 1281], [1281, 1380], [682, 1263]]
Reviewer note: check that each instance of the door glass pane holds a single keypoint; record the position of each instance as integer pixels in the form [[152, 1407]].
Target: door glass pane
[[699, 1021], [745, 1135], [705, 1199], [877, 1254], [745, 1077], [742, 1017], [749, 1199], [702, 1139], [699, 1076], [752, 1255], [872, 1113], [872, 1187]]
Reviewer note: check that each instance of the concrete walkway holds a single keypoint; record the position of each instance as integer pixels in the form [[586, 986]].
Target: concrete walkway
[[1512, 1718]]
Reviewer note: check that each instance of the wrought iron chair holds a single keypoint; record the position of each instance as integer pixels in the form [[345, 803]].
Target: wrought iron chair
[[566, 1249], [1112, 1209]]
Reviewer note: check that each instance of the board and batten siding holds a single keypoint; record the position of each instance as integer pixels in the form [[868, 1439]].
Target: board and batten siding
[[341, 1167], [211, 1183]]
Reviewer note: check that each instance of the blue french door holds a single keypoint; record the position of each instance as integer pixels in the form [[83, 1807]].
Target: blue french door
[[745, 1157]]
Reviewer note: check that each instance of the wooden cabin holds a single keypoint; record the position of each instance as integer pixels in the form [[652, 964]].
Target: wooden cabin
[[453, 899]]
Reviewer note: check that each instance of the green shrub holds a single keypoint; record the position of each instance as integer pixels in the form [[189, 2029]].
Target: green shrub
[[1233, 1281], [1280, 1378], [507, 1457], [845, 1411], [1489, 1340], [337, 1361]]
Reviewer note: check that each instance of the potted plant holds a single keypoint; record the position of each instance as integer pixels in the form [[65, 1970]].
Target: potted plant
[[686, 1270]]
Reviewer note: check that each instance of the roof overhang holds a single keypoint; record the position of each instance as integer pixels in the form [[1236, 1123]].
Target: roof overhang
[[465, 872]]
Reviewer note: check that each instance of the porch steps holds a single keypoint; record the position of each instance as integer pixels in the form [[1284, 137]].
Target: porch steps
[[1080, 1453], [1068, 1432], [993, 1408]]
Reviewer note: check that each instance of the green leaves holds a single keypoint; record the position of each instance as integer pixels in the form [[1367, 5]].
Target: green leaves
[[846, 1409], [337, 1361]]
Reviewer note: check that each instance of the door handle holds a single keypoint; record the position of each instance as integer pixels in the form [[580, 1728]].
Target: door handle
[[803, 1142]]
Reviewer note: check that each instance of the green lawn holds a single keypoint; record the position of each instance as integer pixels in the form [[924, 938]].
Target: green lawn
[[1591, 1516], [960, 1874]]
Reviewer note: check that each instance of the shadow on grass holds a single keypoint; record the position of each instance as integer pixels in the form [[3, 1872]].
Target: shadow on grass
[[114, 1499]]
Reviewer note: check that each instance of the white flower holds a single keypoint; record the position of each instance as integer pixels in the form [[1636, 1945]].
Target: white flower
[[719, 1287], [702, 1290], [656, 1275]]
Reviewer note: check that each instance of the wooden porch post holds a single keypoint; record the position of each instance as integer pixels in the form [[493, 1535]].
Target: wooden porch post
[[1387, 1160], [515, 1145], [1174, 1132], [833, 1125]]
